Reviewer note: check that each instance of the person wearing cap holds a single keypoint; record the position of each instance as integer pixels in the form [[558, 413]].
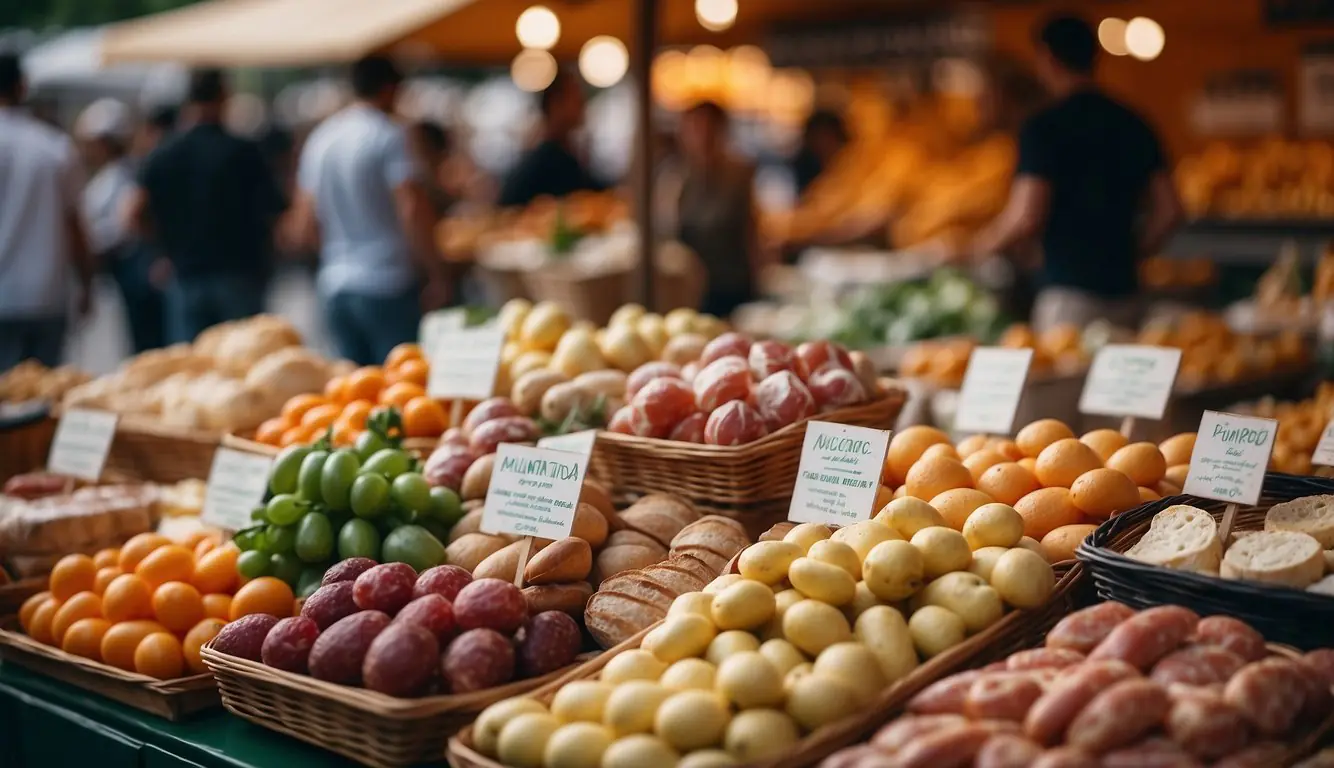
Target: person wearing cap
[[43, 248], [207, 200], [1092, 185], [104, 131]]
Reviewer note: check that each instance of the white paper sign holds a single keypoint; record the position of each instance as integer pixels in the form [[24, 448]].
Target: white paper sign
[[436, 324], [533, 492], [81, 444], [236, 485], [1324, 450], [1130, 380], [464, 362], [992, 387], [839, 474], [580, 442], [1230, 457]]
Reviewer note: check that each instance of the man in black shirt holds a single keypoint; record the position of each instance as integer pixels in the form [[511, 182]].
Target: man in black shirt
[[210, 202], [551, 167], [1092, 184]]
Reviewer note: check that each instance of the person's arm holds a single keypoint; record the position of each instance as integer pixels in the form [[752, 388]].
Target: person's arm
[[1022, 219], [417, 217]]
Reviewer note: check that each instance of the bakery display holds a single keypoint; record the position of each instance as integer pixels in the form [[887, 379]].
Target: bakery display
[[35, 533], [30, 380]]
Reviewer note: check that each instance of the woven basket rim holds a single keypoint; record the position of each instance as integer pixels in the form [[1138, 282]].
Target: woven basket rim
[[22, 642]]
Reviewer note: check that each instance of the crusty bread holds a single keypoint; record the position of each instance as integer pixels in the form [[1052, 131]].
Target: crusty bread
[[612, 617], [718, 535], [1180, 537], [570, 597], [627, 536], [1311, 515], [1276, 557], [631, 601], [625, 557], [660, 517]]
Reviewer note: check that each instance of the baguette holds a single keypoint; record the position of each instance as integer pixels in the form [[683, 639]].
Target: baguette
[[1278, 557], [1180, 537], [1311, 515], [612, 618]]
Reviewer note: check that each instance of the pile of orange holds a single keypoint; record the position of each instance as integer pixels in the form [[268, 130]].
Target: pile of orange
[[149, 606], [348, 401]]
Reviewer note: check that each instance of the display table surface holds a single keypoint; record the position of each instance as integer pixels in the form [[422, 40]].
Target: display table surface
[[45, 723]]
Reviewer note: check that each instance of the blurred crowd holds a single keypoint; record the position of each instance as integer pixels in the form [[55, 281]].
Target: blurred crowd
[[191, 219]]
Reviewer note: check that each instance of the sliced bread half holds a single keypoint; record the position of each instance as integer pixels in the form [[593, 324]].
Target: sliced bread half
[[1311, 515], [1276, 557], [1181, 537]]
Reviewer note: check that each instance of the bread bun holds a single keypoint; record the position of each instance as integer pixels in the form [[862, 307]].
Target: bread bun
[[1311, 515], [1279, 557], [1181, 537]]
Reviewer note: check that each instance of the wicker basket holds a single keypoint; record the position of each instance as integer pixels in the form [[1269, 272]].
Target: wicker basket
[[152, 452], [173, 699], [362, 725], [1017, 631], [1270, 609], [751, 483], [13, 594], [25, 443]]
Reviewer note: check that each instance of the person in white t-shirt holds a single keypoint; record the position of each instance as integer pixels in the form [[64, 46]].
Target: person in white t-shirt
[[43, 250], [361, 198]]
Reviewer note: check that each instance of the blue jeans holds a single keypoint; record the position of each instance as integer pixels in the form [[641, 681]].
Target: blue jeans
[[143, 302], [42, 338], [366, 328], [194, 303]]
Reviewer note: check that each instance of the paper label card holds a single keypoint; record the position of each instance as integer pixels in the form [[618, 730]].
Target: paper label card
[[236, 485], [435, 325], [992, 387], [580, 442], [1324, 450], [1230, 457], [839, 474], [82, 442], [1130, 380], [533, 491], [464, 362]]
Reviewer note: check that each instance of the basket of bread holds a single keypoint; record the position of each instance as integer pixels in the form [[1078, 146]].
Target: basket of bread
[[1274, 565]]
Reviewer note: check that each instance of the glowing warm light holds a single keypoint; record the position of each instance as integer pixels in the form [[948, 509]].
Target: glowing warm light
[[1145, 38], [715, 15], [603, 61], [533, 70], [538, 28], [1112, 35]]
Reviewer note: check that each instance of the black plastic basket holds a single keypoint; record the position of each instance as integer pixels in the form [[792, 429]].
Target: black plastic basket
[[1284, 615]]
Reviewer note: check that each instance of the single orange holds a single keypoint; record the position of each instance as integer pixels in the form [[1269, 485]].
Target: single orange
[[192, 538], [107, 557], [403, 353], [424, 417], [216, 571], [84, 638], [159, 655], [355, 413], [178, 606], [365, 383], [204, 547], [84, 605], [201, 633], [412, 372], [39, 626], [120, 642], [218, 606], [401, 394], [29, 607], [127, 597], [72, 574], [263, 595], [335, 390], [321, 415], [170, 563], [294, 436], [296, 408], [271, 431], [138, 547], [104, 578], [344, 435]]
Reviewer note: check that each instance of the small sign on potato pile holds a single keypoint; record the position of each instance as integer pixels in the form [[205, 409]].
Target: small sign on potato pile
[[81, 444], [575, 442], [1229, 461], [1324, 450], [992, 388], [839, 474], [533, 492], [236, 485], [1131, 381], [464, 361]]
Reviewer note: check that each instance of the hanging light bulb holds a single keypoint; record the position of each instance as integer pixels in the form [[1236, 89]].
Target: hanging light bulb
[[1145, 38], [533, 70], [603, 61], [716, 15], [1112, 35], [538, 28]]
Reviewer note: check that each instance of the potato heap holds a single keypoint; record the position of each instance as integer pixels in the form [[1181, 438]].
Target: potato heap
[[1062, 486], [808, 632]]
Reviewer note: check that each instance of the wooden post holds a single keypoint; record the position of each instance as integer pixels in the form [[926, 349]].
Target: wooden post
[[524, 553], [456, 412], [1127, 426], [641, 65], [1229, 518]]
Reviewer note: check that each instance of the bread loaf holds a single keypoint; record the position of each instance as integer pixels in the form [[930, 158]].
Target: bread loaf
[[612, 618], [626, 557], [589, 525], [720, 535], [469, 550], [777, 531], [1180, 537], [631, 601], [1278, 557], [570, 597], [1311, 515], [469, 523], [627, 536], [566, 560], [660, 516]]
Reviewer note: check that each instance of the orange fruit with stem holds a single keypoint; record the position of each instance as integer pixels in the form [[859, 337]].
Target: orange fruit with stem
[[127, 597], [424, 417], [400, 394], [401, 354], [72, 574], [177, 606]]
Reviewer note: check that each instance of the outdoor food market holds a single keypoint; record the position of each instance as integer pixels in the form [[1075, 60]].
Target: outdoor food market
[[667, 383]]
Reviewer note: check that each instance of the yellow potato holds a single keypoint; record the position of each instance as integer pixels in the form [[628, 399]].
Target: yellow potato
[[863, 536], [523, 739], [760, 734], [689, 673], [862, 600], [690, 720], [749, 680], [840, 554], [678, 637], [729, 643], [486, 731], [944, 550], [908, 515], [722, 582], [806, 534], [746, 604], [767, 561], [812, 626], [709, 758], [894, 570], [636, 664], [782, 654], [782, 601], [854, 664], [935, 630], [965, 594], [1023, 579], [632, 707], [984, 560], [884, 632], [577, 745], [817, 700], [581, 701], [993, 525], [822, 581], [692, 602], [640, 751]]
